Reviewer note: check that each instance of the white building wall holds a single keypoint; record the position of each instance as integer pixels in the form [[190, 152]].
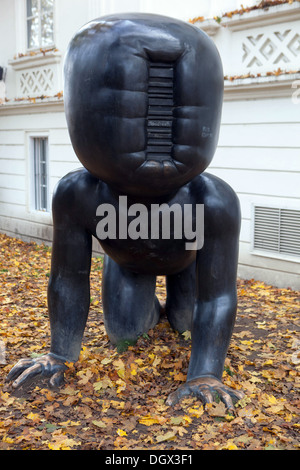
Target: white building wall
[[259, 146], [16, 208], [259, 156]]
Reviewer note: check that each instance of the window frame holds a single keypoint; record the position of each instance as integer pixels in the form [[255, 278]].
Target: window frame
[[40, 37], [35, 203]]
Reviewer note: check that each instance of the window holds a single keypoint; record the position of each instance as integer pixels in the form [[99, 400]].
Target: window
[[40, 173], [40, 23]]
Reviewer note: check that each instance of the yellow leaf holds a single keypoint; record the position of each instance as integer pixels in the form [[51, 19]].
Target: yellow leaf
[[149, 420], [119, 405], [269, 362], [230, 446], [255, 380], [33, 416], [55, 446], [121, 433], [247, 342], [196, 412], [70, 423], [63, 444], [122, 385], [120, 366], [121, 373], [84, 354], [187, 419], [139, 361], [272, 399]]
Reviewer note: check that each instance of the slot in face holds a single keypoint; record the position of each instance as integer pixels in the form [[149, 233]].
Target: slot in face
[[160, 111]]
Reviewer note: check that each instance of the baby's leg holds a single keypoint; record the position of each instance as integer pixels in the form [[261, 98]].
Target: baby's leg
[[129, 303], [181, 298]]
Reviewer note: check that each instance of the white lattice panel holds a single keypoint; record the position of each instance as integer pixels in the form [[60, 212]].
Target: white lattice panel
[[279, 48], [36, 81]]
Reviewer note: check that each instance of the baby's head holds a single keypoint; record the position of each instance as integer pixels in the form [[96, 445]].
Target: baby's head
[[143, 100]]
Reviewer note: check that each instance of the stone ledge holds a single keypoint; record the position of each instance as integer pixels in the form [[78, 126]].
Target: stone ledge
[[262, 17], [37, 59], [32, 106], [260, 87]]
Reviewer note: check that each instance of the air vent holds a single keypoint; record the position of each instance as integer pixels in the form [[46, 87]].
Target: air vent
[[160, 111], [277, 230]]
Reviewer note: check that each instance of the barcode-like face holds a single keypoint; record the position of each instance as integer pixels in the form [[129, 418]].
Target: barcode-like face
[[160, 111]]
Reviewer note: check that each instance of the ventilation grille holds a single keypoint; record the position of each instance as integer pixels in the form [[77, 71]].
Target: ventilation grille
[[160, 111], [277, 230]]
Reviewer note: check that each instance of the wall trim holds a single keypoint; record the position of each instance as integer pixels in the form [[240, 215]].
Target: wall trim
[[264, 87], [262, 17], [34, 106], [28, 61]]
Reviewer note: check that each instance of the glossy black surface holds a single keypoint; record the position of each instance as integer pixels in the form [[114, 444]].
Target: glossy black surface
[[143, 99], [110, 68]]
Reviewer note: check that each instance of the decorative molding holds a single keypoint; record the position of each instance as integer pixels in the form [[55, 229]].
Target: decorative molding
[[36, 60], [263, 17], [46, 105], [38, 74], [265, 87]]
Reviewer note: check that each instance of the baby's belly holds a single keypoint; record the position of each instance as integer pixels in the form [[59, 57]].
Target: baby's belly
[[158, 257], [161, 238]]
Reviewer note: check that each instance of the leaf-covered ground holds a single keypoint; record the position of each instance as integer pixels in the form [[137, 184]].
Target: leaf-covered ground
[[116, 400]]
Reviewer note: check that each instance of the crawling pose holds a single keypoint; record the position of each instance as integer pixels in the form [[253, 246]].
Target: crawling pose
[[143, 99]]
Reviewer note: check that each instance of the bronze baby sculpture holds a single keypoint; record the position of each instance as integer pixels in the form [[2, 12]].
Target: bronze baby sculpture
[[143, 100]]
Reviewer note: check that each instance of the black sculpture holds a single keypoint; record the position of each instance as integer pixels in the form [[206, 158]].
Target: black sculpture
[[143, 100]]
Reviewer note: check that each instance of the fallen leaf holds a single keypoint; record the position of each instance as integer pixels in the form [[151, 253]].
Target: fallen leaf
[[99, 424], [166, 437]]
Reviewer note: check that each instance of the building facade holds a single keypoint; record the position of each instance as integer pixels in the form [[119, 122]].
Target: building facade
[[259, 146]]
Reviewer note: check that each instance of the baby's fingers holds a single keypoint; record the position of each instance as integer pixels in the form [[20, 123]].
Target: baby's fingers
[[28, 374], [22, 365]]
